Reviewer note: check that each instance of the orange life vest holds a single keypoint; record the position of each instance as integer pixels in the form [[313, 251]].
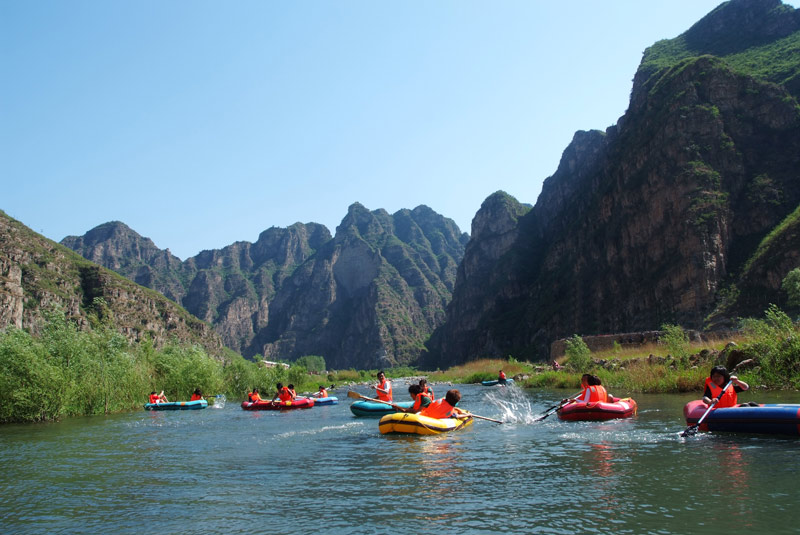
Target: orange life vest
[[428, 391], [501, 376], [385, 385], [323, 393], [285, 394], [597, 393], [418, 402], [438, 409], [153, 398], [196, 397], [728, 399], [253, 396]]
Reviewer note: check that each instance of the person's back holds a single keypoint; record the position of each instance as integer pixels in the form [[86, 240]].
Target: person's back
[[443, 408]]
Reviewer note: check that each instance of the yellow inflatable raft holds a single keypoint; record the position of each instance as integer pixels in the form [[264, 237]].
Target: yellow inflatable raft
[[406, 422]]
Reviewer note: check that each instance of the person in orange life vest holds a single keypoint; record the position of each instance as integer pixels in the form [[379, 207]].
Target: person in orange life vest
[[717, 379], [584, 387], [428, 391], [501, 378], [292, 392], [421, 400], [158, 398], [253, 396], [595, 391], [322, 392], [384, 387], [444, 407], [283, 393], [197, 395]]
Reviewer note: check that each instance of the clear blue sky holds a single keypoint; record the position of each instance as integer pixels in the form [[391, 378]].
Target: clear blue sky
[[201, 123]]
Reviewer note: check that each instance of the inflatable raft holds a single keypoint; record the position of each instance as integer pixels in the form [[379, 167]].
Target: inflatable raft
[[299, 403], [330, 400], [177, 405], [406, 422], [773, 419], [624, 408], [496, 382], [372, 408]]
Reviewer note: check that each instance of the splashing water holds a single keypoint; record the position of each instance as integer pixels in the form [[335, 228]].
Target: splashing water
[[218, 402], [514, 405]]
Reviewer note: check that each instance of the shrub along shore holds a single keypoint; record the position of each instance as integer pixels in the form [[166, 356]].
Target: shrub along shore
[[66, 372]]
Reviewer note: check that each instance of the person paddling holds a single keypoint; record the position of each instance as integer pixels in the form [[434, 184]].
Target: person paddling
[[322, 392], [155, 399], [444, 407], [421, 400], [501, 378], [283, 394], [384, 388], [718, 377], [197, 395]]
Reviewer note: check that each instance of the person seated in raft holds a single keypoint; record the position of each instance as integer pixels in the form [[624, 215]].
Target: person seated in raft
[[158, 398], [384, 388], [444, 407], [501, 378], [595, 392], [584, 386], [197, 395], [283, 394], [428, 391], [717, 379], [292, 392], [253, 396], [421, 400], [322, 392]]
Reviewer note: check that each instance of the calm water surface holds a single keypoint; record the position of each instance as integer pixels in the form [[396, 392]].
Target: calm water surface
[[322, 470]]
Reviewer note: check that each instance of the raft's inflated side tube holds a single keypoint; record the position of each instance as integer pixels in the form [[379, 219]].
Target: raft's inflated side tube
[[372, 408], [624, 408], [177, 405], [771, 419], [299, 403], [496, 382], [407, 423], [330, 400]]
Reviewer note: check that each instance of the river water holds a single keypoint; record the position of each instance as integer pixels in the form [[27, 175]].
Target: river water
[[322, 470]]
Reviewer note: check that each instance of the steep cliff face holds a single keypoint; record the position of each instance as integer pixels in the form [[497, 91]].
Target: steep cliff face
[[645, 223], [37, 274], [370, 296]]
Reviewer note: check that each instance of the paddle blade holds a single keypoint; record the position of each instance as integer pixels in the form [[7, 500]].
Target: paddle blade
[[354, 395], [690, 431]]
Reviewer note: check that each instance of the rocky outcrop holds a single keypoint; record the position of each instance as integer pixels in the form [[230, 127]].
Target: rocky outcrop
[[368, 297], [37, 275], [645, 223]]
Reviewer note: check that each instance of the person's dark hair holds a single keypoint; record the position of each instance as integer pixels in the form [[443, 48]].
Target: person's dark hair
[[291, 387], [594, 380], [587, 376], [198, 392], [280, 385], [255, 390], [452, 397], [380, 373], [153, 392], [722, 370], [423, 382], [414, 390]]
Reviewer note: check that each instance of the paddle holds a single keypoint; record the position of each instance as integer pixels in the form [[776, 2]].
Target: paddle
[[692, 429], [356, 395], [554, 408]]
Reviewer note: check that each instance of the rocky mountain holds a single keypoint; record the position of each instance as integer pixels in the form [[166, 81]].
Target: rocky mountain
[[368, 297], [37, 274], [655, 219]]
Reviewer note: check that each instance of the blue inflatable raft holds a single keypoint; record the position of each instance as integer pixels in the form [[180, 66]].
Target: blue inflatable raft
[[177, 405], [330, 400], [496, 382], [372, 408], [773, 419]]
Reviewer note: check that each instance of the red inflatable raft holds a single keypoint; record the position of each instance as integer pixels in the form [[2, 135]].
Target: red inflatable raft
[[623, 408], [299, 403]]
